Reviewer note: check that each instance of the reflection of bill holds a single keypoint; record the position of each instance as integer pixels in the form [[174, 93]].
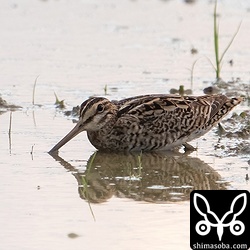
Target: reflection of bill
[[203, 227], [151, 177]]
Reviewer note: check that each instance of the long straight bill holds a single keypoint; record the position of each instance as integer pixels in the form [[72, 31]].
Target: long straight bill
[[75, 131]]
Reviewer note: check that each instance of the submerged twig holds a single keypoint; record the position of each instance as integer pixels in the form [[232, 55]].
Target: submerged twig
[[10, 124], [10, 129], [32, 150]]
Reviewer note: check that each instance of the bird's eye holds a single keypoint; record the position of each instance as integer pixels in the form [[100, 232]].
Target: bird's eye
[[100, 108]]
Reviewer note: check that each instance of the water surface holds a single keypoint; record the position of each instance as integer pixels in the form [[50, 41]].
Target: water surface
[[134, 47]]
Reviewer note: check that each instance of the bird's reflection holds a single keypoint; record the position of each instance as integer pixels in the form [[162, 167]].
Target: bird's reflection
[[151, 177]]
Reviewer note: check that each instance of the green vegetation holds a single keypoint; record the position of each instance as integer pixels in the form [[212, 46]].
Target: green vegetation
[[218, 57], [58, 103], [105, 89], [85, 185], [181, 91]]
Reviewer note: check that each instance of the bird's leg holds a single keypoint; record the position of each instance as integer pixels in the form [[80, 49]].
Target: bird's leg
[[221, 130], [188, 147]]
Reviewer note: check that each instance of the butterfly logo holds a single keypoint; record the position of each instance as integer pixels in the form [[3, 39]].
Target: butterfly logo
[[203, 227]]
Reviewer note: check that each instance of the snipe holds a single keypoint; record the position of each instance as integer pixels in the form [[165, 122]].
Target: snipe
[[148, 122]]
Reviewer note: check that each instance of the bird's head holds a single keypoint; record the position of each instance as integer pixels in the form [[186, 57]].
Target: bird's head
[[95, 113]]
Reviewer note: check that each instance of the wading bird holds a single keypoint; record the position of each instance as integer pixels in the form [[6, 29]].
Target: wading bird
[[148, 122]]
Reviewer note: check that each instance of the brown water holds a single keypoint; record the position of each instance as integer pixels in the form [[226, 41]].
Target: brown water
[[133, 47]]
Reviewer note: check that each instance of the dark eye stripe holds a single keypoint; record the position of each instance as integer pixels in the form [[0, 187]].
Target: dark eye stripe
[[88, 104], [84, 106]]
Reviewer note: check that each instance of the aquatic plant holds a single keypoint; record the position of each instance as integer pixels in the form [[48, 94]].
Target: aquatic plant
[[105, 89], [192, 73], [85, 185], [135, 172], [181, 91], [218, 57], [58, 103], [34, 88]]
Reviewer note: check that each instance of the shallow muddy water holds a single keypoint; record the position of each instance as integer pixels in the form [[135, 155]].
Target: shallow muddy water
[[83, 199]]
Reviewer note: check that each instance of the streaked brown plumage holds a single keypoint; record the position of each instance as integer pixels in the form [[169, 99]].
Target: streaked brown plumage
[[148, 122]]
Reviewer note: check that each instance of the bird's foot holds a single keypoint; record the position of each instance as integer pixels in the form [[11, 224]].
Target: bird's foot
[[188, 147]]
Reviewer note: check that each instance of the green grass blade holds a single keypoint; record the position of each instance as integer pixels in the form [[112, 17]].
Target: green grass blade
[[209, 60], [192, 72], [230, 43], [85, 185], [216, 42]]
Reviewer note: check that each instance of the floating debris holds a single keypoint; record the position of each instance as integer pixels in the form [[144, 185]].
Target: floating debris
[[4, 106], [73, 235], [194, 51]]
